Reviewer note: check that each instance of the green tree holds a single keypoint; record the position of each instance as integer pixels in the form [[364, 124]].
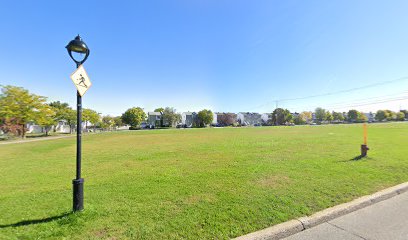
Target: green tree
[[20, 106], [320, 114], [390, 115], [160, 109], [405, 112], [170, 117], [352, 115], [107, 122], [337, 116], [361, 117], [299, 120], [91, 116], [118, 121], [380, 115], [281, 116], [329, 117], [47, 118], [134, 116], [400, 116], [205, 117], [306, 117]]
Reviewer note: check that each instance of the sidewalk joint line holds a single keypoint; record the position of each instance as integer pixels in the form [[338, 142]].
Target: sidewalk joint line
[[334, 225]]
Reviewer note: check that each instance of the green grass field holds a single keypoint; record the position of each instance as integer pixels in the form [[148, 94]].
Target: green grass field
[[194, 183]]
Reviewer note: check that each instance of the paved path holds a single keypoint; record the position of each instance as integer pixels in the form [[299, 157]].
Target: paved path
[[384, 220], [35, 139]]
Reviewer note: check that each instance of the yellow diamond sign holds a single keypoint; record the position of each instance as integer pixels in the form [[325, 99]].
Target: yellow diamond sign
[[81, 80]]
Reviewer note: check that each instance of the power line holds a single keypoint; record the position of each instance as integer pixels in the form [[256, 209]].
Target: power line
[[333, 93], [367, 101]]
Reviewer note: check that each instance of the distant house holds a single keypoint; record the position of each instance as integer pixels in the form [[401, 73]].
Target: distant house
[[215, 116], [34, 128], [63, 127], [370, 116], [249, 119], [295, 114], [188, 118], [225, 119], [266, 118], [154, 119]]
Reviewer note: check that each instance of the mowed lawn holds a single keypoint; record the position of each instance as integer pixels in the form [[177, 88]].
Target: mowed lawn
[[193, 183]]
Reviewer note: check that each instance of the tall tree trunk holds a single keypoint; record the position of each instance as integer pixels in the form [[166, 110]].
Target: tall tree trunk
[[23, 132]]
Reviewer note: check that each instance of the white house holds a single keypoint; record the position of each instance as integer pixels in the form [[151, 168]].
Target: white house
[[188, 118], [63, 127], [249, 119], [370, 116], [154, 118], [266, 117]]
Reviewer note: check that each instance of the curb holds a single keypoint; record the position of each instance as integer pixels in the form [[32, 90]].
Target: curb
[[291, 227]]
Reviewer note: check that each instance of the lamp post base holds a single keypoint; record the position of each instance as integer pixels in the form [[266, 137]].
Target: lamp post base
[[78, 187]]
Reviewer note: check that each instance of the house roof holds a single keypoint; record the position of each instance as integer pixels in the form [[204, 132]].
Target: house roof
[[189, 113], [154, 113]]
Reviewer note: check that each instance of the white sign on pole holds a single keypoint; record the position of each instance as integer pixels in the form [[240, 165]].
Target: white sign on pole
[[81, 80]]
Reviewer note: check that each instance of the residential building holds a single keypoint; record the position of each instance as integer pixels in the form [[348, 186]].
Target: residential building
[[266, 118], [154, 119], [188, 118], [249, 119]]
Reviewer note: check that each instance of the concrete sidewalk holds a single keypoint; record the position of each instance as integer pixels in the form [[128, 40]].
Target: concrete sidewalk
[[384, 220], [35, 139]]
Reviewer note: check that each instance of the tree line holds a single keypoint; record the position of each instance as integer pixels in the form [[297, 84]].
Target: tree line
[[19, 107], [282, 116]]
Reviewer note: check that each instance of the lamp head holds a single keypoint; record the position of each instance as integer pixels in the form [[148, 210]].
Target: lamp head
[[78, 46]]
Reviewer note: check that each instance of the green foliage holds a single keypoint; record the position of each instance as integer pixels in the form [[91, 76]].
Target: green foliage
[[170, 117], [352, 115], [299, 120], [390, 115], [108, 122], [381, 115], [281, 116], [361, 117], [89, 115], [329, 116], [46, 118], [400, 116], [21, 107], [118, 121], [320, 114], [338, 116], [306, 117], [205, 117], [134, 116], [160, 109]]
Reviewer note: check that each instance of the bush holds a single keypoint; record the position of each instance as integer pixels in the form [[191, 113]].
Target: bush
[[135, 128]]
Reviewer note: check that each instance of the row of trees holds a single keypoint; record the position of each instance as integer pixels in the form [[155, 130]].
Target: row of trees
[[19, 107], [136, 116], [282, 116]]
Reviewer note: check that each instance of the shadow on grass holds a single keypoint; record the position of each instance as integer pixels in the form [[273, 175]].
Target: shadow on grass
[[356, 158], [35, 221]]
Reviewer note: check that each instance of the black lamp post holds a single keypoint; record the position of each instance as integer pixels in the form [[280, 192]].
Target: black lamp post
[[78, 46]]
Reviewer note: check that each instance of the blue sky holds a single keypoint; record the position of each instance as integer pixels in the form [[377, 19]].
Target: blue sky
[[223, 55]]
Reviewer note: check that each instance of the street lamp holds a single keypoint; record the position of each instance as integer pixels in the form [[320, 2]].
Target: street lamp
[[78, 46]]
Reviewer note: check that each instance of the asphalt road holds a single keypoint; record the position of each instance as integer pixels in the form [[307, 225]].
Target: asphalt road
[[384, 220]]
